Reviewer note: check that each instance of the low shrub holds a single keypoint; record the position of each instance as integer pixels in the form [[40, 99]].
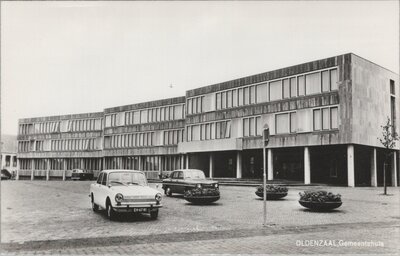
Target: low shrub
[[198, 192], [272, 189], [319, 196]]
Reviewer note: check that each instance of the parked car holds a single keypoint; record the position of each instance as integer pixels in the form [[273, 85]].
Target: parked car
[[78, 174], [124, 191], [193, 184], [5, 174]]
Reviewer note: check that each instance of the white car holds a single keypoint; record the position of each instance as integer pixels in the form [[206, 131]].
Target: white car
[[124, 191]]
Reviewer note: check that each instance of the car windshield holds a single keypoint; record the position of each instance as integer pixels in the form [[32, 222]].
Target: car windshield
[[194, 175], [127, 178]]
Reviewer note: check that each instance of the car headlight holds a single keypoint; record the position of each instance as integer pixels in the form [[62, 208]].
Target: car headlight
[[158, 197], [216, 185], [198, 186], [119, 197]]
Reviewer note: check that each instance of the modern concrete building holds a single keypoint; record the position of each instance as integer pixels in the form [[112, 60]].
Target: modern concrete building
[[324, 119], [8, 159]]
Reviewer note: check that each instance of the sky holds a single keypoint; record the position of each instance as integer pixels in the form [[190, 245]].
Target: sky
[[60, 57]]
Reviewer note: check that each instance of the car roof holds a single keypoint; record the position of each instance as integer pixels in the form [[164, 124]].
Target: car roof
[[120, 170], [187, 170]]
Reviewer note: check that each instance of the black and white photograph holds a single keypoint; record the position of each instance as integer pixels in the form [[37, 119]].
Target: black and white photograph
[[200, 127]]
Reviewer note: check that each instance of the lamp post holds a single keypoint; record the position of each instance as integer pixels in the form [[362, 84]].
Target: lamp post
[[265, 144]]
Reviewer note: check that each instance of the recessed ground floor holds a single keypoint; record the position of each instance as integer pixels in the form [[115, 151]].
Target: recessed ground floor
[[346, 165]]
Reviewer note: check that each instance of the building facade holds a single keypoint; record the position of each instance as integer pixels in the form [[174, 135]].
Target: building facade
[[8, 159], [324, 119]]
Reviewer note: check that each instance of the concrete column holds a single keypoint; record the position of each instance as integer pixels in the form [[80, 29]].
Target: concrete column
[[270, 159], [350, 166], [65, 169], [82, 164], [160, 166], [17, 170], [47, 169], [394, 169], [374, 177], [32, 169], [187, 161], [211, 166], [182, 161], [239, 165], [307, 166], [140, 163], [3, 160]]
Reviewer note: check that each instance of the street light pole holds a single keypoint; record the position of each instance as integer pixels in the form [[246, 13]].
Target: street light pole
[[265, 143]]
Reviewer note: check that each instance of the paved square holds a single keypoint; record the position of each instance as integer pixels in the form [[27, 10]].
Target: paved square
[[55, 217]]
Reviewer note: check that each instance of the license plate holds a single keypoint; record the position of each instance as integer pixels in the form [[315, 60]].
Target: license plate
[[140, 210]]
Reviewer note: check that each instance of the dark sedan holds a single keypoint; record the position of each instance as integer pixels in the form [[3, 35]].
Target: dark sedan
[[193, 184]]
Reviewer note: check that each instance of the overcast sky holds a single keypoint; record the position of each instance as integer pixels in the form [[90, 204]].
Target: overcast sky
[[75, 57]]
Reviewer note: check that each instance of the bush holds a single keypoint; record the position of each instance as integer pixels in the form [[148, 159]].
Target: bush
[[319, 196], [198, 192], [272, 189]]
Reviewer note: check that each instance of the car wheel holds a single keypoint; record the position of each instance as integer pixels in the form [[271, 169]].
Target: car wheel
[[95, 207], [154, 214], [110, 211], [168, 191]]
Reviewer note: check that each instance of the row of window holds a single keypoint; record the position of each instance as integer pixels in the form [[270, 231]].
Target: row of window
[[60, 145], [76, 144], [58, 164], [146, 163], [195, 105], [325, 118], [142, 139], [173, 137], [78, 125], [313, 83], [209, 131], [8, 160], [150, 115]]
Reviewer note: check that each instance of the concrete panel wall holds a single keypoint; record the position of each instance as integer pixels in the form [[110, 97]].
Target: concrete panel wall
[[371, 101]]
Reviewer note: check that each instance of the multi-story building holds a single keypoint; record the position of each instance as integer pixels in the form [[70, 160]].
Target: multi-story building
[[323, 118], [53, 146]]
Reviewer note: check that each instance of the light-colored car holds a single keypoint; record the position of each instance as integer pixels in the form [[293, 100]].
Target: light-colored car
[[124, 191]]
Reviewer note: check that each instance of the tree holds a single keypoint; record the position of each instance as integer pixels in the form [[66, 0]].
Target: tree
[[388, 140]]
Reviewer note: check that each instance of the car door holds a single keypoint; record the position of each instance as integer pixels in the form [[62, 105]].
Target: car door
[[95, 188], [180, 182], [174, 182], [103, 191]]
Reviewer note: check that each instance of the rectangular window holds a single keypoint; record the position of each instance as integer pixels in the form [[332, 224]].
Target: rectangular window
[[200, 104], [234, 98], [246, 131], [313, 83], [334, 118], [334, 79], [229, 99], [136, 117], [178, 112], [252, 126], [189, 133], [108, 121], [240, 97], [262, 93], [194, 106], [196, 132], [207, 127], [218, 100], [325, 119], [293, 122], [212, 131], [282, 123], [246, 95], [258, 126], [223, 100], [392, 90], [301, 89], [325, 81], [275, 90], [317, 119], [189, 106], [166, 116], [293, 87], [203, 132], [143, 116], [252, 94], [286, 88]]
